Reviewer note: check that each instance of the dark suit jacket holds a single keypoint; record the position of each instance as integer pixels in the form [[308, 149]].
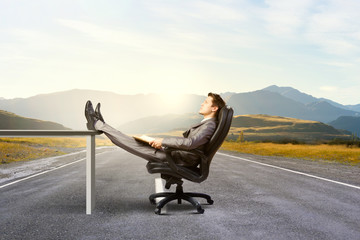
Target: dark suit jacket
[[194, 138]]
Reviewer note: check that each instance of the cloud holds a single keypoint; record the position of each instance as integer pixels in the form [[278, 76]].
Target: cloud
[[172, 43], [102, 34], [193, 11], [215, 12], [285, 18], [248, 43], [328, 88], [332, 26], [335, 27], [339, 64]]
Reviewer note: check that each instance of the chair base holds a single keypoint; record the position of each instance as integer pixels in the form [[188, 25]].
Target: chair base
[[179, 195]]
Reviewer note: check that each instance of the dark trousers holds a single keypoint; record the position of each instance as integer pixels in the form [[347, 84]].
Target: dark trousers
[[129, 144]]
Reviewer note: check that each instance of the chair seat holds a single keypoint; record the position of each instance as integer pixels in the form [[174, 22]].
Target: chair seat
[[164, 168], [154, 167]]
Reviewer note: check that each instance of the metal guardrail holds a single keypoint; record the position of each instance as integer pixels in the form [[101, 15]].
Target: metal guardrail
[[90, 154]]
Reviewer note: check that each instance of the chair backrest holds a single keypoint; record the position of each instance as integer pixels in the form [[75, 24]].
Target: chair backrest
[[199, 174], [224, 122]]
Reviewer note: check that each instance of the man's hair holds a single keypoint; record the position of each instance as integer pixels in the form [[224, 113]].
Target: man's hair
[[217, 101]]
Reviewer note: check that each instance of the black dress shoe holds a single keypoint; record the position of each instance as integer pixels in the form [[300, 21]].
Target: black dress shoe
[[98, 113], [90, 116]]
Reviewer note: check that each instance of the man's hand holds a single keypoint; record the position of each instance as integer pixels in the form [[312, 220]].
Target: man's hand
[[157, 143]]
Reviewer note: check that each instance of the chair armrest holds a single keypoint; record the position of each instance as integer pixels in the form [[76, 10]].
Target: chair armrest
[[186, 172]]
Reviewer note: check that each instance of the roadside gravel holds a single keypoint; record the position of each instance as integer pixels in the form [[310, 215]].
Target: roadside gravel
[[16, 170]]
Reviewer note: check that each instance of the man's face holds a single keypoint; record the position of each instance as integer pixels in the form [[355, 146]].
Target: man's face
[[206, 107]]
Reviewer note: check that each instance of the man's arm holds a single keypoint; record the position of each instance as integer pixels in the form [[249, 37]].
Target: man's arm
[[198, 137]]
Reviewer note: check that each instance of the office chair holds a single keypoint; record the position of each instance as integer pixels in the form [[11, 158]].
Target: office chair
[[173, 174]]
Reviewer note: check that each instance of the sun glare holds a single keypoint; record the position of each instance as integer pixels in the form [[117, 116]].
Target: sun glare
[[173, 100]]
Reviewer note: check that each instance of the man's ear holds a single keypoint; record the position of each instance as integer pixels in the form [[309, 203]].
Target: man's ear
[[215, 109]]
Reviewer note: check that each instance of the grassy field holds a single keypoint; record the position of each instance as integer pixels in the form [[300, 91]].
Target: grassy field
[[323, 152], [24, 149], [274, 128]]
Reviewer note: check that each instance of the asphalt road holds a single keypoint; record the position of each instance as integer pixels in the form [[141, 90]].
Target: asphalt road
[[252, 201]]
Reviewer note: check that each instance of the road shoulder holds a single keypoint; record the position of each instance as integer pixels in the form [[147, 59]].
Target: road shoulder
[[17, 170], [330, 170]]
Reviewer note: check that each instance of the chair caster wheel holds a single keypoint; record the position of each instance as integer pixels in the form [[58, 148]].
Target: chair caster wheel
[[200, 210], [210, 201], [158, 211], [152, 201]]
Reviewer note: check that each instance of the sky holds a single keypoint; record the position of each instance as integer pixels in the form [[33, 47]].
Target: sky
[[180, 46]]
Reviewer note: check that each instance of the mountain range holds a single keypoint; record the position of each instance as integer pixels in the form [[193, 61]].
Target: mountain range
[[67, 107], [347, 122], [304, 98], [131, 112], [277, 102]]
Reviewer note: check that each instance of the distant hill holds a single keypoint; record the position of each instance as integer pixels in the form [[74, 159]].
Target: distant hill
[[265, 102], [255, 127], [12, 121], [273, 103], [67, 107], [292, 93], [324, 111], [354, 107], [351, 124], [304, 98], [265, 127]]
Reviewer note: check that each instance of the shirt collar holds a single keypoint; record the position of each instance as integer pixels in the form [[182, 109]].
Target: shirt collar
[[205, 119]]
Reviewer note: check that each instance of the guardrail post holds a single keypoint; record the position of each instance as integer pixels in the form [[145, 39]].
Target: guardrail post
[[90, 173]]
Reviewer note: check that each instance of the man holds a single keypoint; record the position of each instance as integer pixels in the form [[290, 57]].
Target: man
[[194, 138]]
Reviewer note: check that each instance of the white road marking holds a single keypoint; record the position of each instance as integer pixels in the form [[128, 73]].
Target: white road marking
[[41, 173], [47, 171], [292, 171]]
